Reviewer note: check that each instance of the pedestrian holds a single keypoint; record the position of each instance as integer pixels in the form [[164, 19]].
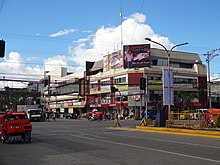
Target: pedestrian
[[116, 121]]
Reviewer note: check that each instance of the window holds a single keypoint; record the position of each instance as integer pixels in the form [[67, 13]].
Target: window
[[154, 78], [93, 85], [120, 80], [105, 83], [185, 80]]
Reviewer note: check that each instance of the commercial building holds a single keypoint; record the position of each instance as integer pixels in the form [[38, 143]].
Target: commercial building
[[189, 75], [93, 89]]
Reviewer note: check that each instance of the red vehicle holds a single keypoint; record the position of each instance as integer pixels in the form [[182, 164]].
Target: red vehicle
[[95, 116], [14, 127], [211, 115]]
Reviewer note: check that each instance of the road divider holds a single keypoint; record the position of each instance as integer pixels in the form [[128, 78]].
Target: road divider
[[176, 131]]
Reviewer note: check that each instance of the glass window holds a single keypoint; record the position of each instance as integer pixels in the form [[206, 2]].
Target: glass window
[[120, 80]]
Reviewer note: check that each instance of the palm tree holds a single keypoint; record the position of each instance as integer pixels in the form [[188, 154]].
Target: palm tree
[[187, 97]]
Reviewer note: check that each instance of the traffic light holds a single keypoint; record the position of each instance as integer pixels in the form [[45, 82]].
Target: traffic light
[[46, 82], [142, 83], [2, 48], [113, 89]]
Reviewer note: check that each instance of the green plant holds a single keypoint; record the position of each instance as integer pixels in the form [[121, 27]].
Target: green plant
[[217, 122]]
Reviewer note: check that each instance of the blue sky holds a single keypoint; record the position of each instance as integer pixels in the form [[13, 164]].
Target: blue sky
[[45, 34]]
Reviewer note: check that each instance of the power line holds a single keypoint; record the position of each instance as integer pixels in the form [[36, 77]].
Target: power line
[[35, 63], [26, 36], [138, 19], [3, 2]]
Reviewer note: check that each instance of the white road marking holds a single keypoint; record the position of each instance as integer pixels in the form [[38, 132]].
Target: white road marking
[[162, 140], [147, 148]]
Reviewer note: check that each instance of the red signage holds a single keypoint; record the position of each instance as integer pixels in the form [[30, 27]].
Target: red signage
[[70, 103]]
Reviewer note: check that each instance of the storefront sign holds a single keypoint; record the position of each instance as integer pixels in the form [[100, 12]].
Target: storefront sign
[[135, 97]]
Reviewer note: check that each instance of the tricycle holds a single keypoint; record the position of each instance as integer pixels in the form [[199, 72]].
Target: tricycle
[[15, 127]]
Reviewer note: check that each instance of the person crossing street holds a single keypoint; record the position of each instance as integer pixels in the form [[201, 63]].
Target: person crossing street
[[116, 120]]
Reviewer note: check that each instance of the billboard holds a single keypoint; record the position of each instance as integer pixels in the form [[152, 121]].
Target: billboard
[[168, 92], [112, 61], [116, 60], [136, 56]]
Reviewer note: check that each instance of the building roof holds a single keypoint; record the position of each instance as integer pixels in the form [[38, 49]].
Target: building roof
[[98, 65], [177, 56]]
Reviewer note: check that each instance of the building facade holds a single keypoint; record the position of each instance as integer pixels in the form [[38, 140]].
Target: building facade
[[93, 89], [189, 75]]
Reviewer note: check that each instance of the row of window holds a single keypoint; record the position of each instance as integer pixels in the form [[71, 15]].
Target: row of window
[[107, 82], [123, 79], [164, 62]]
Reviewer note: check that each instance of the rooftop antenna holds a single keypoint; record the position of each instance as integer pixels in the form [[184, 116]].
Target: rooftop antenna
[[121, 28]]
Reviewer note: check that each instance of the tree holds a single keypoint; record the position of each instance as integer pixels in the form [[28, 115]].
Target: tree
[[187, 97]]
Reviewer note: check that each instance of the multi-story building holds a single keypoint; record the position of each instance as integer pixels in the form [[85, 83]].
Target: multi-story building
[[189, 75], [93, 89], [62, 92]]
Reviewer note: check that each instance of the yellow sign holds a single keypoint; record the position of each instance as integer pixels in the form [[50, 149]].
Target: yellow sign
[[155, 85], [121, 85]]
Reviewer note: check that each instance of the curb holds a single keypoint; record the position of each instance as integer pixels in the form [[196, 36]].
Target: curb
[[178, 131], [207, 132], [175, 131]]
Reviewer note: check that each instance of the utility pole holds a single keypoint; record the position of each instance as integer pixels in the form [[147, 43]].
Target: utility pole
[[209, 56], [170, 77]]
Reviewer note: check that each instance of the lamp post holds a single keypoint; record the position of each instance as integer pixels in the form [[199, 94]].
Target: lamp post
[[168, 64], [209, 56]]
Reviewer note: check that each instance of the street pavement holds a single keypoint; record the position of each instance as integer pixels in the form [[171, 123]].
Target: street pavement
[[81, 142]]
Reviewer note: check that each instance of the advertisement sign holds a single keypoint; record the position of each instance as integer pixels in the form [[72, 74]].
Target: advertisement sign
[[107, 62], [168, 92], [117, 61], [91, 100], [136, 56], [112, 61]]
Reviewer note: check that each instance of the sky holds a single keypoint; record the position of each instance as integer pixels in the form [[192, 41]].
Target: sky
[[42, 35]]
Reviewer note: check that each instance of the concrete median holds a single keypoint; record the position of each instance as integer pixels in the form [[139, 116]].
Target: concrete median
[[178, 131]]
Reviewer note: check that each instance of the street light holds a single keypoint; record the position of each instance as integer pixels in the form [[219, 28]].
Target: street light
[[209, 56], [168, 64]]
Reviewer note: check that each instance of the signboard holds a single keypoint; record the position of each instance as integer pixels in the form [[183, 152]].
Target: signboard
[[112, 61], [91, 100], [136, 56], [117, 61], [106, 62], [168, 92], [135, 97]]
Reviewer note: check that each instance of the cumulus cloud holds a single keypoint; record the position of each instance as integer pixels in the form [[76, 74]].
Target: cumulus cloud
[[89, 48], [55, 62], [108, 39], [16, 64], [63, 32]]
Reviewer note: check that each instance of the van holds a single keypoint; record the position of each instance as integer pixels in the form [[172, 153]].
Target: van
[[35, 114]]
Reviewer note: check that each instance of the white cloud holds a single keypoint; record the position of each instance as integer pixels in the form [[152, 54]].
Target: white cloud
[[64, 32], [108, 39], [90, 48], [14, 68], [55, 62]]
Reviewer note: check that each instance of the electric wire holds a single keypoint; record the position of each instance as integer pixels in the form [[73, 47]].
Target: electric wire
[[138, 20], [3, 2]]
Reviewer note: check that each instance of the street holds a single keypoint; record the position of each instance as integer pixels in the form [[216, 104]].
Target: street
[[82, 142]]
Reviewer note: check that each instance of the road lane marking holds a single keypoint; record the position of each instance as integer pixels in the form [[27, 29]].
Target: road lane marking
[[147, 148]]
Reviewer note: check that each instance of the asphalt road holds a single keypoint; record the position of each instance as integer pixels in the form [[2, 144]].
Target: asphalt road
[[80, 142]]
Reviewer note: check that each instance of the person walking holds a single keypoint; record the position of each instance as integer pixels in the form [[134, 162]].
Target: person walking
[[116, 121]]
